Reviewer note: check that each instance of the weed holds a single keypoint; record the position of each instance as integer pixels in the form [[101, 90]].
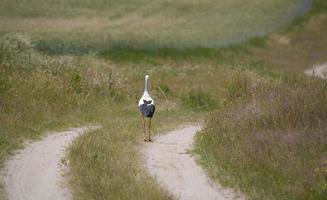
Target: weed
[[4, 85], [76, 83]]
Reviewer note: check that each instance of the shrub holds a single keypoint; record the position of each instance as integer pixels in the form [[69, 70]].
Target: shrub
[[76, 83], [15, 51], [198, 100]]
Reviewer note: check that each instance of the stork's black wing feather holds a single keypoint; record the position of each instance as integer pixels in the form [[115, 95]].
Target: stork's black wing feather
[[147, 102], [147, 110]]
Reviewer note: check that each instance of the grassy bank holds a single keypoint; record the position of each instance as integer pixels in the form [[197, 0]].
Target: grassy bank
[[41, 93], [269, 139], [301, 45]]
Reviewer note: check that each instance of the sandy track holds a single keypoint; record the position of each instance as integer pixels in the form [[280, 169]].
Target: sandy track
[[35, 172], [168, 161], [319, 71]]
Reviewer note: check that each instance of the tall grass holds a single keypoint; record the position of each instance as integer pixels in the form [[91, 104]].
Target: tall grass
[[112, 166], [41, 92], [71, 84], [270, 139]]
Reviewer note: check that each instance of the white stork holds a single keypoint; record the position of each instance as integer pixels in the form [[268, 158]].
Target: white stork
[[147, 108]]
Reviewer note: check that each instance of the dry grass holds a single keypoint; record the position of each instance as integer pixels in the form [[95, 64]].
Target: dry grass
[[297, 50], [46, 25], [40, 92], [271, 140], [112, 169]]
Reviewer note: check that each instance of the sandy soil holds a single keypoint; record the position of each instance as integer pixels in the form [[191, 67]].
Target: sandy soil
[[318, 71], [168, 160], [36, 172]]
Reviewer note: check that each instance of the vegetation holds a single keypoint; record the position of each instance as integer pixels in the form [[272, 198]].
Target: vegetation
[[269, 138], [71, 63], [41, 92], [300, 45], [75, 26]]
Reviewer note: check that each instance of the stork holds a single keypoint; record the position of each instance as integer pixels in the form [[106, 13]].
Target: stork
[[147, 108]]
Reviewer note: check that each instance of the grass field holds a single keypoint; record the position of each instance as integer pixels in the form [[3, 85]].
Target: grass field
[[41, 93], [84, 26], [71, 63], [269, 140], [303, 50]]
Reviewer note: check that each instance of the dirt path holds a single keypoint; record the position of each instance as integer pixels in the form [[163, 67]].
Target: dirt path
[[319, 71], [168, 160], [35, 172]]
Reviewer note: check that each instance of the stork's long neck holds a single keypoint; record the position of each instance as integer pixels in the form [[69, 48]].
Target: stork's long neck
[[146, 84]]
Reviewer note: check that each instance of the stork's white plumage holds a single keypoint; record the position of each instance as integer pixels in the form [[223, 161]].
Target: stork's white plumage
[[146, 103], [147, 108], [146, 96]]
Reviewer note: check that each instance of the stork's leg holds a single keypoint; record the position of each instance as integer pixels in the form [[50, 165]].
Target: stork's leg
[[144, 129], [149, 130]]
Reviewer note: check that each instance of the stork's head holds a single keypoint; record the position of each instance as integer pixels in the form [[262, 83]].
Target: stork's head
[[146, 77]]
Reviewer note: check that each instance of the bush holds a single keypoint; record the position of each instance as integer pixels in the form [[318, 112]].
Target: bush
[[198, 100], [76, 83], [15, 51]]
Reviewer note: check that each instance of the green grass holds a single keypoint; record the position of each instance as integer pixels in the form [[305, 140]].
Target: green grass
[[41, 93], [71, 63], [113, 169], [198, 101], [269, 139], [301, 45], [78, 26]]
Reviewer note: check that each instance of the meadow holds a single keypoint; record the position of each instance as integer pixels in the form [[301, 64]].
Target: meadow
[[83, 26], [269, 138], [70, 63], [41, 93]]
